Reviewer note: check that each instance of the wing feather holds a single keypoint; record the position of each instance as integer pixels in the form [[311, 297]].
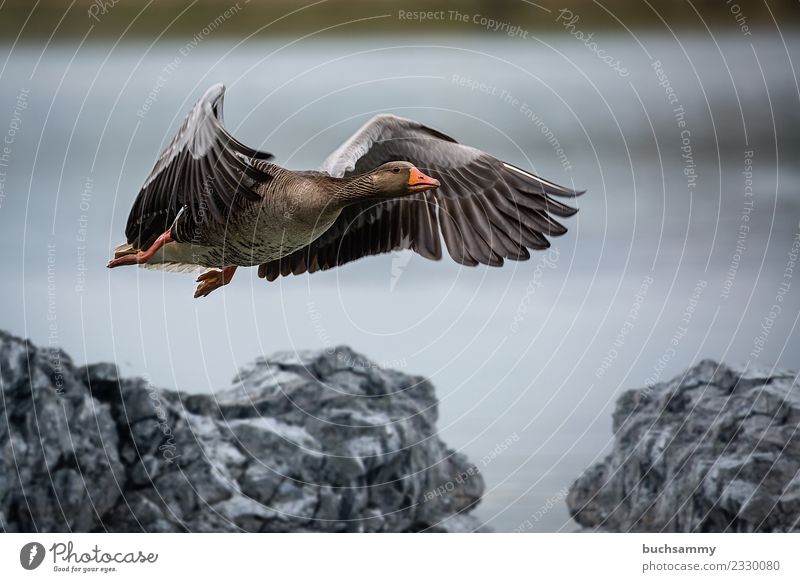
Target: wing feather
[[203, 169], [485, 211]]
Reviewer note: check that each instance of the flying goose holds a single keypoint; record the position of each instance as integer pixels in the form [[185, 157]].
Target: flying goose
[[213, 203]]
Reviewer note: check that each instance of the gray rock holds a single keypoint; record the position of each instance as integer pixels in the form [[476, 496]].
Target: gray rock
[[309, 441], [716, 449]]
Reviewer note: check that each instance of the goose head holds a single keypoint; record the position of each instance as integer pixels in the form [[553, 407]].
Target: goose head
[[395, 179]]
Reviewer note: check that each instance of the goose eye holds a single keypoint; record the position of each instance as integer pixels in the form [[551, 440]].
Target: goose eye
[[396, 170]]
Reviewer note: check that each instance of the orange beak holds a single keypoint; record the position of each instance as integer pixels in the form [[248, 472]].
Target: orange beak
[[419, 182]]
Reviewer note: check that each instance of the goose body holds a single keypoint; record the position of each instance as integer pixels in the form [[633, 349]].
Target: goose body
[[213, 203], [290, 212]]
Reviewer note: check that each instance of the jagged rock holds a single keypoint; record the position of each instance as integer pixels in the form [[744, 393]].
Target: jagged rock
[[309, 441], [716, 449]]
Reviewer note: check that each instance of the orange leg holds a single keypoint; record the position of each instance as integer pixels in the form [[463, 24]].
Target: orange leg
[[213, 279], [141, 256]]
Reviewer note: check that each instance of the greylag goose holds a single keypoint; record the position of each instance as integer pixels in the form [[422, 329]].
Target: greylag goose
[[213, 204]]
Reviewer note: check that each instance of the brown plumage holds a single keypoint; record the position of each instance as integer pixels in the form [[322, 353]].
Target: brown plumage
[[211, 202]]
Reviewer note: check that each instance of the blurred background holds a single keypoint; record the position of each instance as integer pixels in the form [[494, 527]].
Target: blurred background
[[681, 119]]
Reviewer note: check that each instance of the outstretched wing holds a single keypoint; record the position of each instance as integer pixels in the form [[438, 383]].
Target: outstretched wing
[[204, 169], [485, 210]]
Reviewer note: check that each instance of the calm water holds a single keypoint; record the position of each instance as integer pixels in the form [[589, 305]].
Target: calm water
[[527, 359]]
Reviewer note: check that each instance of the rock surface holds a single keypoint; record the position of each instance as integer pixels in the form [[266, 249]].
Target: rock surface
[[310, 441], [716, 449]]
